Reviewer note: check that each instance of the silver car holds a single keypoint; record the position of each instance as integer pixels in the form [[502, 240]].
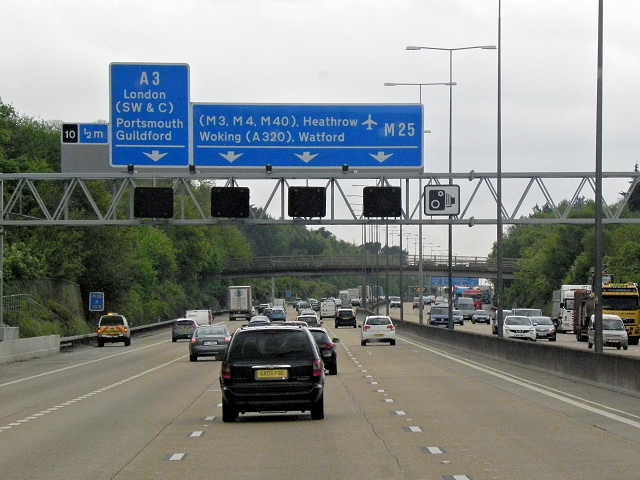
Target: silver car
[[544, 328], [613, 332], [209, 341], [480, 316]]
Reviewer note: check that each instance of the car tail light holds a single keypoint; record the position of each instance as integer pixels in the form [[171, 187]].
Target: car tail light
[[366, 327], [227, 339], [225, 370], [193, 340], [391, 327], [326, 346], [318, 368]]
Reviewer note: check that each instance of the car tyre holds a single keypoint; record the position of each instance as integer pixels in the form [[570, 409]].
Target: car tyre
[[333, 370], [174, 340], [355, 325], [336, 326], [363, 343], [589, 345], [317, 409], [618, 347], [100, 343], [229, 413], [624, 348], [127, 342], [193, 358], [392, 342]]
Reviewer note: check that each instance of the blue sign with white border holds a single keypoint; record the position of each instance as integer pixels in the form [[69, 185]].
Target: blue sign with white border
[[149, 115], [307, 136], [96, 301]]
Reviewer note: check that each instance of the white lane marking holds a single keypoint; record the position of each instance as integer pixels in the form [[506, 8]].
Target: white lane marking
[[44, 374], [434, 450], [62, 405], [536, 387], [197, 433], [177, 456]]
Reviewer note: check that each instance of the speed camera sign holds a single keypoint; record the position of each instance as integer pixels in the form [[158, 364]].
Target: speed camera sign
[[442, 200]]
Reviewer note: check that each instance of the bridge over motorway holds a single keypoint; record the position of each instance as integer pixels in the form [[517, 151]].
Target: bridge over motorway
[[319, 265]]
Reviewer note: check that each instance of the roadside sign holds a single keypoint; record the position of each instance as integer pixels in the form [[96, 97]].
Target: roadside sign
[[307, 136], [442, 200], [149, 114], [96, 301], [84, 133]]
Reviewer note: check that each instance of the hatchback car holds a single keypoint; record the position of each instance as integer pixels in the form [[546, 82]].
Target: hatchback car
[[277, 314], [613, 332], [209, 341], [416, 302], [545, 328], [480, 316], [272, 368], [183, 328], [310, 320], [113, 328], [516, 326], [458, 317], [377, 328], [345, 317], [327, 346]]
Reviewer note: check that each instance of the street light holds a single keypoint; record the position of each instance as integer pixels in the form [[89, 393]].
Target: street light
[[420, 269], [451, 50]]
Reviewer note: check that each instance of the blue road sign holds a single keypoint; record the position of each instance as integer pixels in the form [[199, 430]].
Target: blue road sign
[[84, 133], [96, 301], [149, 110], [444, 281], [307, 136]]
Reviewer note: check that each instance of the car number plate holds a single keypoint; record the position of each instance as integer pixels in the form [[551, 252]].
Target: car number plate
[[272, 374], [210, 342], [378, 334]]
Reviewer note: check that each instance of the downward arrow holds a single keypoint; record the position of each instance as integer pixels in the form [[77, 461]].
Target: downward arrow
[[231, 156], [306, 156], [155, 155], [380, 156]]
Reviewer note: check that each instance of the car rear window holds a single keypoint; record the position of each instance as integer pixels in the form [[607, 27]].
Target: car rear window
[[112, 320], [345, 313], [271, 345], [378, 321], [200, 332], [319, 337], [185, 323]]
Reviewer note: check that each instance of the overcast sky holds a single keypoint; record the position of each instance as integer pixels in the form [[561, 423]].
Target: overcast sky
[[55, 56]]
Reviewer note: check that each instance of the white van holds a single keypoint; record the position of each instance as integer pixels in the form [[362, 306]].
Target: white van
[[202, 317], [328, 309], [466, 307]]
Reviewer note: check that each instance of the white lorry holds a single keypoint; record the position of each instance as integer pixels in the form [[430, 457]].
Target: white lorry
[[240, 302], [562, 310], [279, 302], [202, 317], [328, 309]]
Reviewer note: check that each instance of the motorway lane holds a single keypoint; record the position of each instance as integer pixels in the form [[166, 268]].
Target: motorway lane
[[412, 411]]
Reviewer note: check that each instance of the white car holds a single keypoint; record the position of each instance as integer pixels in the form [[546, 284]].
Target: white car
[[613, 332], [377, 328], [516, 326], [395, 302]]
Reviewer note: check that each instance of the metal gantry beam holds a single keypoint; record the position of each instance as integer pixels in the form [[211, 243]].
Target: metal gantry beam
[[80, 200]]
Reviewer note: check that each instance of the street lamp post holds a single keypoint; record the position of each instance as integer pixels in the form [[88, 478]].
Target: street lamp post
[[420, 266], [451, 50]]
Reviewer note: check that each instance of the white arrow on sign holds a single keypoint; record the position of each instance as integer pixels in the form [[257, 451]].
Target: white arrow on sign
[[306, 156], [231, 155], [380, 156], [155, 155]]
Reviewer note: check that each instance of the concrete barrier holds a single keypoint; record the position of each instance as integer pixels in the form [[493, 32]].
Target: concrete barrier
[[612, 371], [26, 348]]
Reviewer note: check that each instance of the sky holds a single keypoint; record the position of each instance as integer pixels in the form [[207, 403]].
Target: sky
[[55, 56]]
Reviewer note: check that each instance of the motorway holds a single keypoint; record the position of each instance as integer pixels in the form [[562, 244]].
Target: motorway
[[411, 411]]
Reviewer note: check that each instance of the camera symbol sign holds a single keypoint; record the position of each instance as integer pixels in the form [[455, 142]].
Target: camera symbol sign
[[442, 200]]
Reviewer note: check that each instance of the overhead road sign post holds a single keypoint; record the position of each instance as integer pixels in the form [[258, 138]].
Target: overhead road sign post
[[312, 136], [149, 115]]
